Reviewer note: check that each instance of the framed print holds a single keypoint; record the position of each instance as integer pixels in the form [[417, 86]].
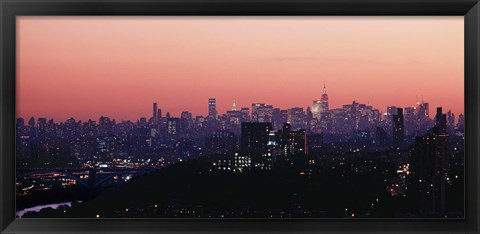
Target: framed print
[[252, 116]]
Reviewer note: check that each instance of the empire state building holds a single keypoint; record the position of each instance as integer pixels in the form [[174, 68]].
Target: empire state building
[[320, 107], [324, 101]]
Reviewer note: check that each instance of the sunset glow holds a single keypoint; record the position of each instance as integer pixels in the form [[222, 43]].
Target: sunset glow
[[86, 67]]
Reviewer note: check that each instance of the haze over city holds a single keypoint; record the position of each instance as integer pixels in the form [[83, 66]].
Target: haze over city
[[86, 67], [240, 117]]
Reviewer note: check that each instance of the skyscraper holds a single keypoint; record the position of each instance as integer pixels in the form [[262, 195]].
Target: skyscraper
[[423, 110], [409, 121], [212, 108], [173, 125], [186, 121], [316, 109], [461, 123], [391, 111], [31, 122], [324, 101], [265, 114], [296, 117], [441, 121], [159, 113], [292, 142], [154, 111], [245, 114], [255, 107], [450, 121], [222, 142], [429, 166], [254, 138], [398, 129]]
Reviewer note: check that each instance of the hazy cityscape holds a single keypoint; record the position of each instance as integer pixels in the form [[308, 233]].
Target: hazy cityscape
[[259, 161]]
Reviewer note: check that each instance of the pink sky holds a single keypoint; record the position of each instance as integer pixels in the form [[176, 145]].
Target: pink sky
[[85, 67]]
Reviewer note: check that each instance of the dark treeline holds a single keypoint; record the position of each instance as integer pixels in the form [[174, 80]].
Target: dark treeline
[[286, 191]]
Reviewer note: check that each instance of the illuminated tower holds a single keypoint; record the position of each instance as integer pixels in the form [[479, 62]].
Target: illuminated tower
[[324, 101], [234, 105], [212, 108]]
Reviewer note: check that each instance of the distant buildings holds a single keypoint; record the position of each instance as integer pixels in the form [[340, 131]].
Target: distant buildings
[[155, 111], [343, 140], [257, 138], [398, 129], [292, 142], [254, 138], [262, 113], [173, 126], [296, 117], [222, 142], [212, 109], [324, 102], [316, 109], [428, 159]]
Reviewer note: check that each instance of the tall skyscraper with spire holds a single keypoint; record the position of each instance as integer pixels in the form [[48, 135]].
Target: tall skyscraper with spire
[[319, 107], [324, 101]]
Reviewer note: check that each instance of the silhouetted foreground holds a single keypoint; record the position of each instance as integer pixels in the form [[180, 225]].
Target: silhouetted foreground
[[191, 189]]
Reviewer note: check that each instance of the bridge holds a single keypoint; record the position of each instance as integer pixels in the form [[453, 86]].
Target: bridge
[[97, 177]]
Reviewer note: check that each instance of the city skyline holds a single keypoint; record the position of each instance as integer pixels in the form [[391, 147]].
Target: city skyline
[[87, 67], [157, 107]]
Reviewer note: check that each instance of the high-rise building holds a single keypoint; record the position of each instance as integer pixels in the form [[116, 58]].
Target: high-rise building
[[398, 129], [255, 108], [265, 114], [173, 125], [159, 113], [450, 121], [31, 122], [254, 138], [245, 114], [441, 120], [324, 101], [309, 114], [154, 111], [391, 111], [461, 123], [422, 121], [423, 110], [276, 119], [222, 142], [409, 121], [428, 160], [186, 121], [212, 108], [296, 117], [316, 109], [292, 142]]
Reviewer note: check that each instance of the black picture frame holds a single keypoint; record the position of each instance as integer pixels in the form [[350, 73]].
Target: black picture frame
[[9, 9]]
